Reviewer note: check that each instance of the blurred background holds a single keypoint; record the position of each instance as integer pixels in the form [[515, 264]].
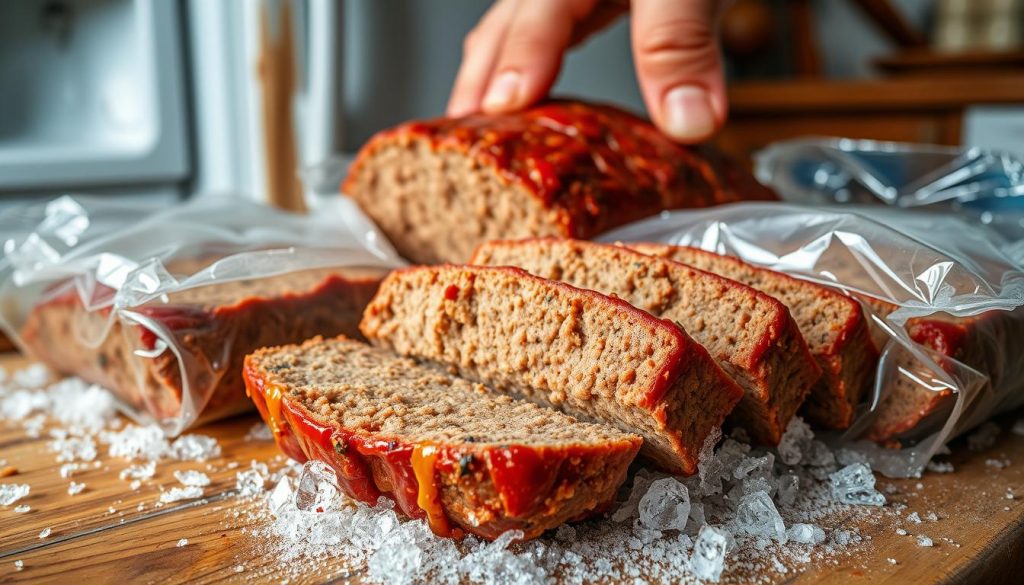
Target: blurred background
[[164, 99]]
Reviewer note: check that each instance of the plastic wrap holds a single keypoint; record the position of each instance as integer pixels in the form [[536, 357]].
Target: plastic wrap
[[915, 273], [159, 305], [981, 185]]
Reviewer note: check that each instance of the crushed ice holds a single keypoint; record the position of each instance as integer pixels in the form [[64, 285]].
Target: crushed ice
[[746, 508]]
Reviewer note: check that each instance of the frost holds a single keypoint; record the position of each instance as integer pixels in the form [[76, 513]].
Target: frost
[[249, 483], [192, 478], [176, 494], [12, 492], [139, 471]]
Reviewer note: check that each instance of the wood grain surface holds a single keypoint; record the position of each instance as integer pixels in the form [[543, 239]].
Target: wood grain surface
[[979, 537]]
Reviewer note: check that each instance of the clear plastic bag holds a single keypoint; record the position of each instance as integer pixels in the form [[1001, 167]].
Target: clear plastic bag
[[923, 270], [982, 185], [161, 304]]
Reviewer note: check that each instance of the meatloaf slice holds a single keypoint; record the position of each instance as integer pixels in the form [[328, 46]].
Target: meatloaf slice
[[438, 188], [442, 447], [914, 403], [751, 334], [833, 324], [587, 354], [213, 326]]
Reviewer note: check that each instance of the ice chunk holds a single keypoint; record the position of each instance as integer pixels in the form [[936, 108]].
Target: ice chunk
[[788, 488], [806, 534], [629, 509], [709, 467], [396, 562], [754, 467], [176, 494], [795, 441], [249, 483], [819, 455], [317, 487], [666, 505], [849, 457], [924, 541], [195, 448], [182, 542], [191, 477], [855, 484], [756, 514], [709, 550], [75, 488], [281, 497], [22, 509], [12, 492], [139, 471], [45, 532]]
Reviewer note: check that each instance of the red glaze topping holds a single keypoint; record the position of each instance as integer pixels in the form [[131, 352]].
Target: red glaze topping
[[520, 474], [945, 338], [598, 165]]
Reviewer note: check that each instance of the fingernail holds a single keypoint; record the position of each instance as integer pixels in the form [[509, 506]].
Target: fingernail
[[687, 113], [503, 92]]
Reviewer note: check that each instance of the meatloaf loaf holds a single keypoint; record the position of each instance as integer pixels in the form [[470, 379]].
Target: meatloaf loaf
[[438, 188], [833, 324], [442, 447], [750, 333], [910, 408], [213, 327], [585, 353]]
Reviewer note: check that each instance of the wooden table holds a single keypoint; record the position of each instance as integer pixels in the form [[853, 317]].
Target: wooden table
[[101, 535]]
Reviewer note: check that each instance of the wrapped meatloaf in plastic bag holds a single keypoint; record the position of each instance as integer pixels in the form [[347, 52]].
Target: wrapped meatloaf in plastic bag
[[161, 305], [944, 296]]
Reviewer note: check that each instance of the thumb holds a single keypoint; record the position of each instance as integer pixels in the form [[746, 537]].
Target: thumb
[[679, 66]]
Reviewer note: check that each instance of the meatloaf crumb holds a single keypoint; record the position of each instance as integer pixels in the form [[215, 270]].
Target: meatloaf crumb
[[832, 323], [751, 334], [438, 188], [580, 351], [499, 464]]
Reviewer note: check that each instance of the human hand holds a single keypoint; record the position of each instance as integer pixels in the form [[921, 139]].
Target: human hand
[[512, 57]]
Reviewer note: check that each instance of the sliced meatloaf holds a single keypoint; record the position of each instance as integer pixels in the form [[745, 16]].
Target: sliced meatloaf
[[438, 188], [441, 447], [214, 327], [910, 408], [833, 324], [585, 353], [751, 334]]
